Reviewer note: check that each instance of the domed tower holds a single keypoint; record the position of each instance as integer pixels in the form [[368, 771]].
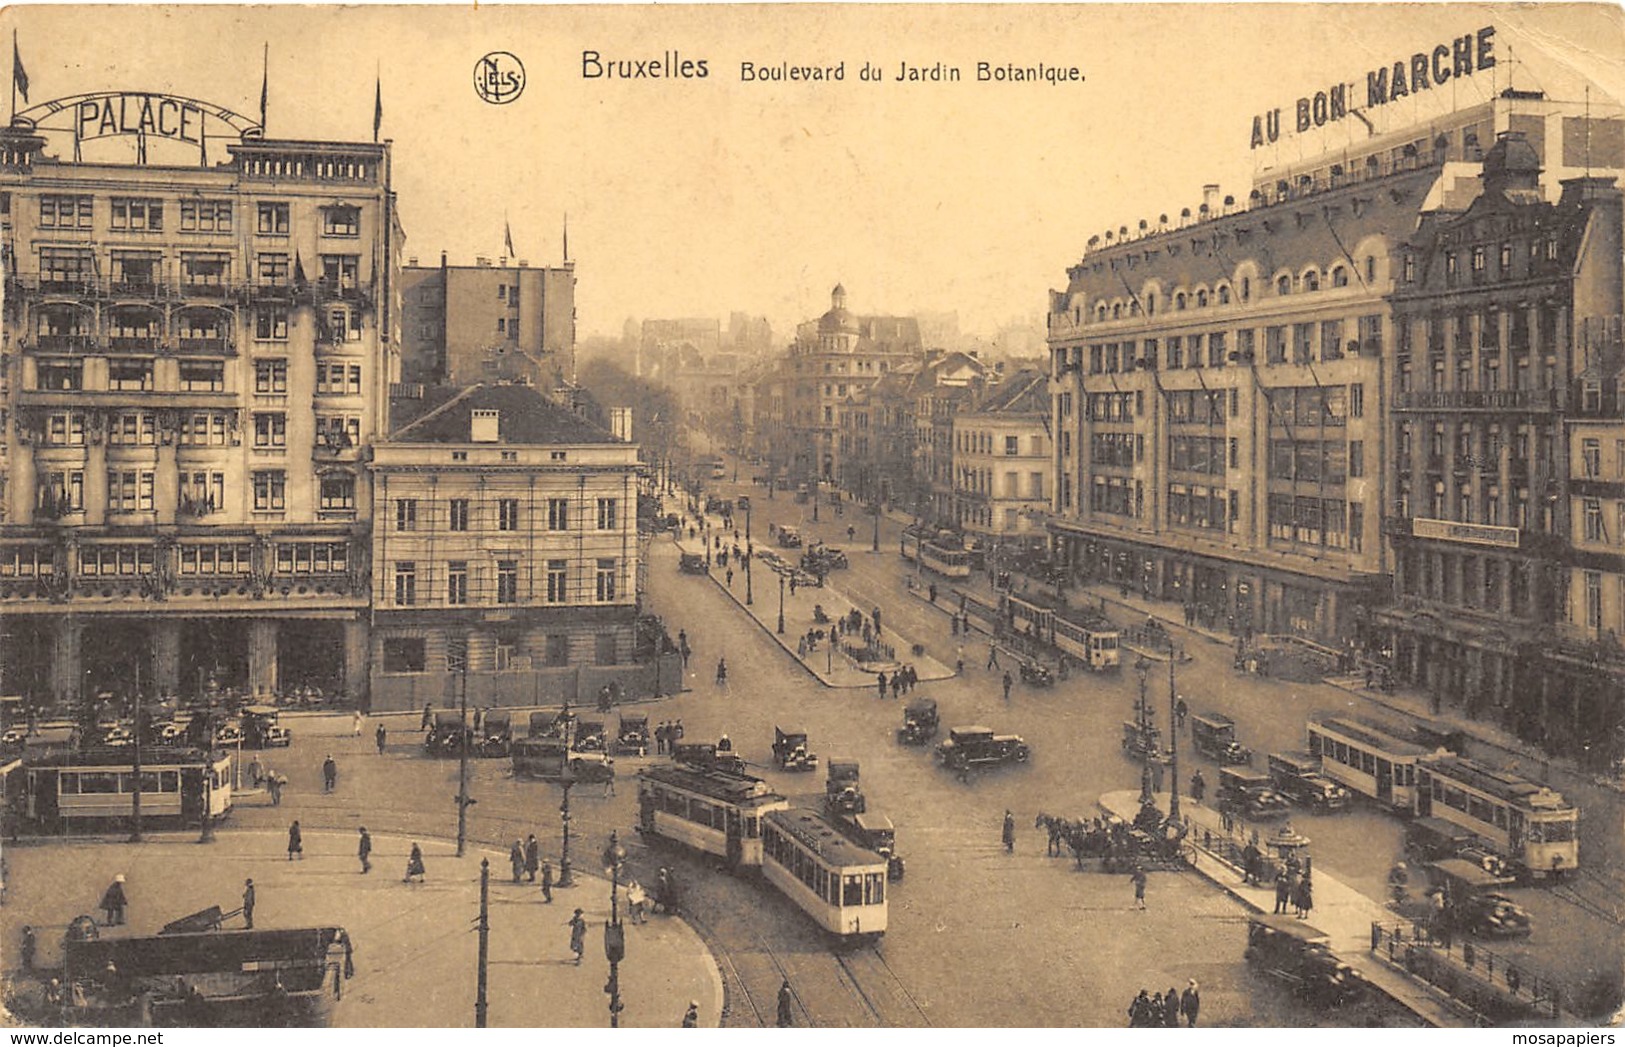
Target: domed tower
[[838, 328], [1511, 165]]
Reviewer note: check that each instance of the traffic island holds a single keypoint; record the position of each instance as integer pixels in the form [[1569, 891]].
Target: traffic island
[[414, 946]]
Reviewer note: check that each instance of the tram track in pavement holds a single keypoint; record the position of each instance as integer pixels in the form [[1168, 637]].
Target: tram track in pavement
[[1570, 893]]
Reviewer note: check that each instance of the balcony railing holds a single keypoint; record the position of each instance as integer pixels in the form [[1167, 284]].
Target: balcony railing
[[205, 289], [138, 343], [65, 343], [1477, 400], [217, 345], [138, 288]]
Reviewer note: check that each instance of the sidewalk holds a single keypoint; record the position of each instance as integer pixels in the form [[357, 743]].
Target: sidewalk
[[831, 668], [1340, 911], [415, 947]]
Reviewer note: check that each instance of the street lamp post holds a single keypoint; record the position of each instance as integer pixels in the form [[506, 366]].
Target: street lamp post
[[781, 605], [815, 499], [567, 778], [750, 594], [1142, 668], [876, 546], [1173, 739], [614, 933]]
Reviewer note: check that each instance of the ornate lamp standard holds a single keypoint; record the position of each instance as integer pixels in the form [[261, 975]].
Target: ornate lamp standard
[[1173, 738], [614, 933], [750, 594], [876, 546], [1142, 717], [567, 778]]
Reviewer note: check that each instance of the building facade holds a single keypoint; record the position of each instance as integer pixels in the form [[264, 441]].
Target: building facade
[[488, 323], [1001, 463], [505, 555], [194, 363], [1507, 322]]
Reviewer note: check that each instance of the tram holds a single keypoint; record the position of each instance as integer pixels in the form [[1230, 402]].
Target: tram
[[710, 811], [909, 544], [1530, 825], [1369, 760], [944, 560], [841, 885], [64, 790], [1098, 650]]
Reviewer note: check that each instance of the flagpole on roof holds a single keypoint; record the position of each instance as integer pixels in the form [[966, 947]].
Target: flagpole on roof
[[265, 84], [13, 115], [377, 100]]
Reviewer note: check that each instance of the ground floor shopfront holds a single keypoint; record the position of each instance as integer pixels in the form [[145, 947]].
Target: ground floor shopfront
[[537, 656], [1235, 595], [1570, 704], [62, 656]]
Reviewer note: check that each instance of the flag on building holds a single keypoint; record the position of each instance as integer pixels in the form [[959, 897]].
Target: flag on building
[[265, 85], [507, 239], [19, 75]]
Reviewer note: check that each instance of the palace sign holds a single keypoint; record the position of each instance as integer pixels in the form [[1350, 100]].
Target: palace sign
[[1462, 56], [180, 119]]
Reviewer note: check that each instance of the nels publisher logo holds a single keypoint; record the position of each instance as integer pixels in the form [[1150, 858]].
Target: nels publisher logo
[[499, 78]]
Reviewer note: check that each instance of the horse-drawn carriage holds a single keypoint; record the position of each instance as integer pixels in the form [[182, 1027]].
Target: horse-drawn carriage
[[1150, 841]]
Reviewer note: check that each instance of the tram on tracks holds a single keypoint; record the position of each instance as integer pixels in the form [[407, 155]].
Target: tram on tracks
[[65, 790], [1096, 649], [1370, 760], [838, 883], [945, 560], [1529, 825], [908, 546], [710, 811]]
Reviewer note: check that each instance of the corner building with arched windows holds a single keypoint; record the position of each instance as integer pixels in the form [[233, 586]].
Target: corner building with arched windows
[[1222, 384]]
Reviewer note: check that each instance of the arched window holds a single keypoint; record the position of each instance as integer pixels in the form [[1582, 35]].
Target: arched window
[[1224, 295], [1283, 285], [1201, 299], [1246, 288], [1311, 281], [1134, 307], [1179, 301], [1100, 311], [1371, 269], [1340, 277], [1151, 305], [1117, 310]]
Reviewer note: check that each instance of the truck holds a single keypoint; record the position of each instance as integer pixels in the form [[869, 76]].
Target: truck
[[1296, 775], [1214, 736]]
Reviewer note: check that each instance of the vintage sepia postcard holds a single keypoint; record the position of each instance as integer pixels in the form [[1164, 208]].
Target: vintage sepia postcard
[[1190, 445]]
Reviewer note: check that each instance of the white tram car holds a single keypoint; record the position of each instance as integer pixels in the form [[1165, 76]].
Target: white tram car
[[1530, 825], [840, 884], [1368, 759], [710, 811]]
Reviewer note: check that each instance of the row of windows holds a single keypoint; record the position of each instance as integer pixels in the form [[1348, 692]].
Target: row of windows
[[1309, 280], [137, 214], [1322, 522], [201, 493], [981, 481], [701, 811], [458, 514], [831, 885], [131, 375], [1316, 461], [504, 585], [1404, 774], [1488, 583], [408, 654]]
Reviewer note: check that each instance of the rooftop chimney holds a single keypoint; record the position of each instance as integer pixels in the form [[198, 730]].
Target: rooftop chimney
[[620, 423], [483, 426], [413, 260]]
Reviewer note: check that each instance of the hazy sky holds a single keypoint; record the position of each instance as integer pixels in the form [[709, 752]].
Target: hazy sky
[[696, 197]]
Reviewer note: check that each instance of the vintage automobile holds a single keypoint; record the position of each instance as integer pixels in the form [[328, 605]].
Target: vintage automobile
[[1300, 955], [496, 735], [1142, 739], [789, 538], [790, 751], [742, 502], [549, 758], [261, 730], [919, 722], [692, 563], [447, 735], [705, 756], [1251, 793], [842, 793], [1036, 674], [1214, 736], [591, 736], [875, 832], [820, 558], [1471, 902], [633, 738], [720, 506], [1297, 777], [1431, 839], [973, 745]]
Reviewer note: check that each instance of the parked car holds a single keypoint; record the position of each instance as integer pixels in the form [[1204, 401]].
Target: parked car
[[261, 730], [692, 563], [876, 832], [1251, 793], [1472, 902], [1214, 736], [1297, 776], [970, 746], [789, 538], [1300, 955]]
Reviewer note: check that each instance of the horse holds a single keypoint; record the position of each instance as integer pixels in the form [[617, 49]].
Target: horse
[[1058, 828]]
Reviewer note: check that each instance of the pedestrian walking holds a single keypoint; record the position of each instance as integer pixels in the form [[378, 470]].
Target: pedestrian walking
[[1009, 834], [114, 901], [273, 783], [364, 851], [1138, 880], [414, 866], [380, 736], [1198, 786], [609, 777], [1305, 900], [516, 859], [1007, 682], [533, 858], [1283, 894], [786, 1015], [637, 902], [428, 717], [691, 1017], [355, 724], [730, 577], [992, 655], [897, 684], [29, 947], [1139, 1010], [547, 882], [880, 681], [578, 935], [256, 773], [1170, 1008], [1190, 1003], [959, 660], [683, 648], [330, 774], [248, 904]]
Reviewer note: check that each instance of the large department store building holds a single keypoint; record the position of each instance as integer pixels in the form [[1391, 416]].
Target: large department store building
[[197, 348], [1344, 409]]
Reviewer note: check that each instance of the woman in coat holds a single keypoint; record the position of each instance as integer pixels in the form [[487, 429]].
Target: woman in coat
[[296, 842], [414, 865]]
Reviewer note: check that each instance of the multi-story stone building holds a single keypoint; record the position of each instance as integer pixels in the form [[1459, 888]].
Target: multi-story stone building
[[505, 551], [1001, 463], [946, 384], [488, 323], [1507, 320], [195, 360]]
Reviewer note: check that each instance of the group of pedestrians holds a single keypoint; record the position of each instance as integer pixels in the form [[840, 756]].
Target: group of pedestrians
[[902, 681], [667, 734], [1164, 1009]]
